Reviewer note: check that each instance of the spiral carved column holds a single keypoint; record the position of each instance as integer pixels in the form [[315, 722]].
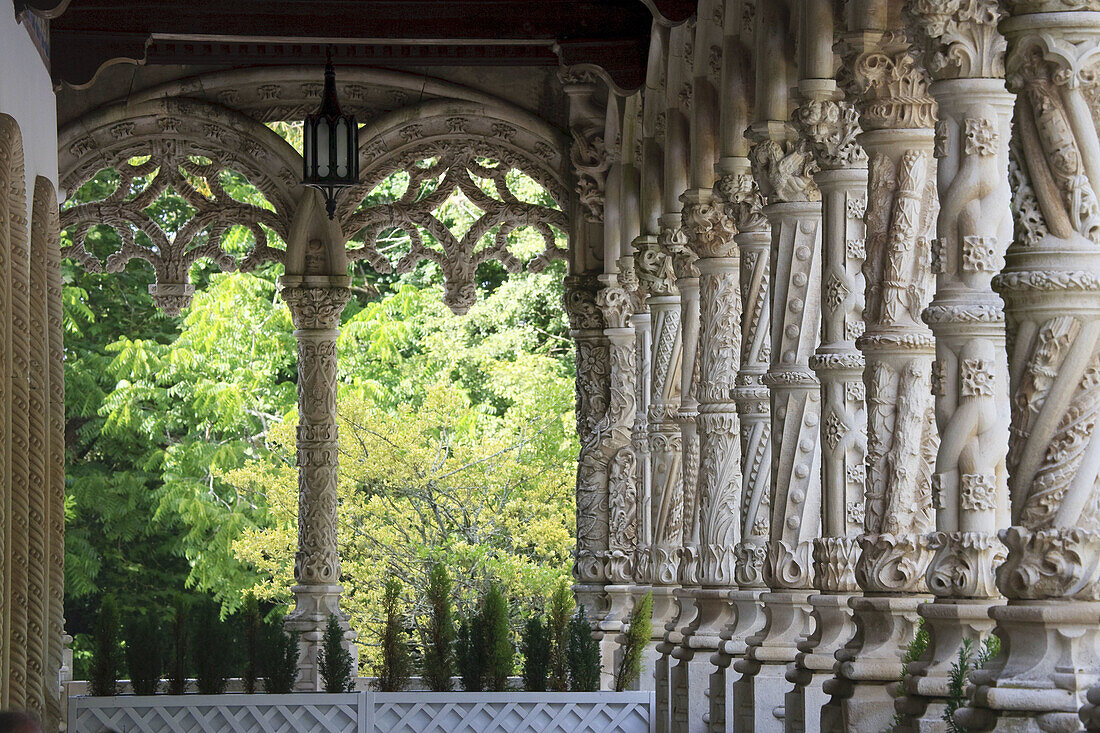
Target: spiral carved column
[[832, 126], [1051, 288], [316, 308], [965, 55], [743, 204], [897, 112]]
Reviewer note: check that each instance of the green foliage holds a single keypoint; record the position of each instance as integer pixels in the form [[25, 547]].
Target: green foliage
[[913, 652], [965, 662], [584, 655], [396, 666], [178, 662], [471, 653], [213, 651], [334, 660], [253, 632], [107, 652], [499, 650], [280, 661], [561, 606], [144, 655], [535, 647], [637, 637], [437, 636]]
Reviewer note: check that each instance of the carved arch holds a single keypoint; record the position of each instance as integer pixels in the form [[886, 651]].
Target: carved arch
[[174, 144], [455, 142]]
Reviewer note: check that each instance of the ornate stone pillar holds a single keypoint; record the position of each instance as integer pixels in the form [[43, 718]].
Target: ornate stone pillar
[[654, 269], [784, 167], [1051, 287], [586, 328], [965, 55], [316, 303], [709, 235], [614, 436], [832, 126], [743, 207], [897, 113], [685, 680]]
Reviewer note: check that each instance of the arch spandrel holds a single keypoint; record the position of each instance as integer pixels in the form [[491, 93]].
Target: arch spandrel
[[177, 135], [457, 137]]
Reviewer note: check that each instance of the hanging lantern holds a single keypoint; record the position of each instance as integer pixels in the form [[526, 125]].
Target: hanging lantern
[[330, 149]]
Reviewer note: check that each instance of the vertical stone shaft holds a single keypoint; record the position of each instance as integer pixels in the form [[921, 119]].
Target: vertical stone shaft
[[965, 54], [643, 351], [56, 456], [891, 92], [831, 126], [21, 573], [38, 595], [316, 311], [1051, 288], [743, 204], [12, 186], [586, 328]]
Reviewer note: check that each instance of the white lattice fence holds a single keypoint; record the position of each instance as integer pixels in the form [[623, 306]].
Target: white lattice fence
[[367, 712]]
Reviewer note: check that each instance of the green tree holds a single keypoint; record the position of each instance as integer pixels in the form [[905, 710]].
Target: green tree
[[108, 652], [584, 655], [561, 606], [334, 660], [535, 648], [144, 655], [497, 630], [437, 636], [471, 652], [280, 661], [636, 639], [396, 665]]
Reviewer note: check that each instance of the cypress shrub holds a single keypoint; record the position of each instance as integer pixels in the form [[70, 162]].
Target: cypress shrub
[[212, 646], [536, 654], [105, 652], [177, 664], [280, 661], [396, 666], [438, 639], [333, 660], [584, 655], [561, 606], [637, 637], [253, 632], [471, 653], [144, 656], [500, 652]]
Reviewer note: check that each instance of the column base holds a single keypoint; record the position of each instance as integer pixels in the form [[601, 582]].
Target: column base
[[689, 673], [1050, 657], [610, 626], [747, 621], [814, 663], [665, 613], [870, 666], [927, 685], [312, 606], [760, 693]]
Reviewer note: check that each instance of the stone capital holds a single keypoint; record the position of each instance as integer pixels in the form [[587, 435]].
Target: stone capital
[[960, 37], [744, 202], [706, 226], [882, 74], [315, 308], [580, 303], [831, 127], [784, 170]]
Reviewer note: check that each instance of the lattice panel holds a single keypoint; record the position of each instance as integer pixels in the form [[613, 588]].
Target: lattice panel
[[366, 712], [215, 714], [508, 713]]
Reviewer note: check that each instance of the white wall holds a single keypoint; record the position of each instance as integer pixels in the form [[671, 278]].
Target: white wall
[[26, 93]]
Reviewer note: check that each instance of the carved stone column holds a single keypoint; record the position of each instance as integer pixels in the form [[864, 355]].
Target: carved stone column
[[965, 55], [315, 305], [897, 113], [654, 269], [709, 235], [743, 203], [784, 168], [1051, 287], [832, 126], [614, 438], [686, 679]]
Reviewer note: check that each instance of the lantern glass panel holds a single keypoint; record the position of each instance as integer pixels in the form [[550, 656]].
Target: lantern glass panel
[[342, 147], [324, 149]]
